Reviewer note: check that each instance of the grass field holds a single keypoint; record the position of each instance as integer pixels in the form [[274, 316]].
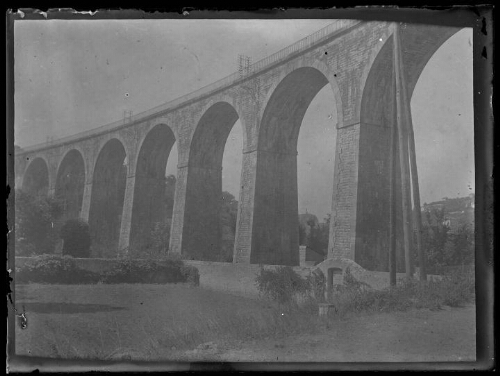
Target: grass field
[[142, 321], [184, 323]]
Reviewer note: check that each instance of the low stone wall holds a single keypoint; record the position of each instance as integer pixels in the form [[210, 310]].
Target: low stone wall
[[222, 276], [234, 278], [240, 278]]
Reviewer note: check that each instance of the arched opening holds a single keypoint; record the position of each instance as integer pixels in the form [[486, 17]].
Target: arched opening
[[108, 191], [275, 238], [315, 164], [444, 143], [36, 178], [430, 109], [153, 195], [202, 231], [231, 175], [70, 183]]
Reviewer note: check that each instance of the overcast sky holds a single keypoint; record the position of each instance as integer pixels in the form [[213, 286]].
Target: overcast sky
[[72, 76]]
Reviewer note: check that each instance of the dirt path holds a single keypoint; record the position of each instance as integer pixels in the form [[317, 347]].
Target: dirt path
[[414, 336]]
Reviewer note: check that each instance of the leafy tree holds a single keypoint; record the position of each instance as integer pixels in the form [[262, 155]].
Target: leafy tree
[[302, 234], [170, 182], [434, 238], [160, 238], [34, 224], [56, 207], [444, 247], [459, 249], [317, 236], [228, 215], [76, 236]]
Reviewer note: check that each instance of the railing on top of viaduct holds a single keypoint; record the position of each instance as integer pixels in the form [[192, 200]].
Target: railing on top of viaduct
[[260, 65]]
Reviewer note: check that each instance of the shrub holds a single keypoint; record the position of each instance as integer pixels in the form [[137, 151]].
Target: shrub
[[76, 236], [282, 284], [317, 284], [151, 271], [54, 269], [453, 290], [190, 275], [443, 246]]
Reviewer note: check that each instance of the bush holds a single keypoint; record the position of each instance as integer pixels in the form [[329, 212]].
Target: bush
[[58, 269], [443, 246], [282, 284], [317, 284], [453, 290], [190, 275], [54, 269], [76, 236], [151, 271]]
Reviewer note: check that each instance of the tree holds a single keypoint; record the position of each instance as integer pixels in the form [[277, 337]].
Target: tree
[[434, 238], [34, 224], [76, 236], [170, 183], [443, 246], [315, 235], [459, 248], [302, 234], [229, 214]]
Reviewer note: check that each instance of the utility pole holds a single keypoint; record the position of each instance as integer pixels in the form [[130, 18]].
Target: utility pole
[[403, 152]]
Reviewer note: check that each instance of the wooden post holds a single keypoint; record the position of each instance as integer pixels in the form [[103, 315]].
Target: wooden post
[[392, 198], [403, 153], [418, 213], [414, 182]]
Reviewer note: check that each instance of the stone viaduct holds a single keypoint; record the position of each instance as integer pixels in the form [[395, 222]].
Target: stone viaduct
[[111, 176]]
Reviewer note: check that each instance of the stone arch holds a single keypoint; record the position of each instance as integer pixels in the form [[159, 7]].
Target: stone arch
[[377, 117], [419, 43], [36, 178], [153, 195], [202, 224], [74, 148], [321, 67], [108, 191], [163, 121], [104, 141], [70, 183], [220, 100], [275, 224]]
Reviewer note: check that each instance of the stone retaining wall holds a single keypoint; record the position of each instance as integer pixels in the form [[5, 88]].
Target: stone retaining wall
[[221, 276], [240, 278]]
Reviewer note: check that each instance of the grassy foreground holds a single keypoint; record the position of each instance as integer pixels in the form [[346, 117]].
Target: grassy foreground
[[161, 322], [143, 321]]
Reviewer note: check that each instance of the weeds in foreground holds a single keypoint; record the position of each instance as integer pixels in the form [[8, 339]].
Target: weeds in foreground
[[288, 290], [266, 319], [452, 290]]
